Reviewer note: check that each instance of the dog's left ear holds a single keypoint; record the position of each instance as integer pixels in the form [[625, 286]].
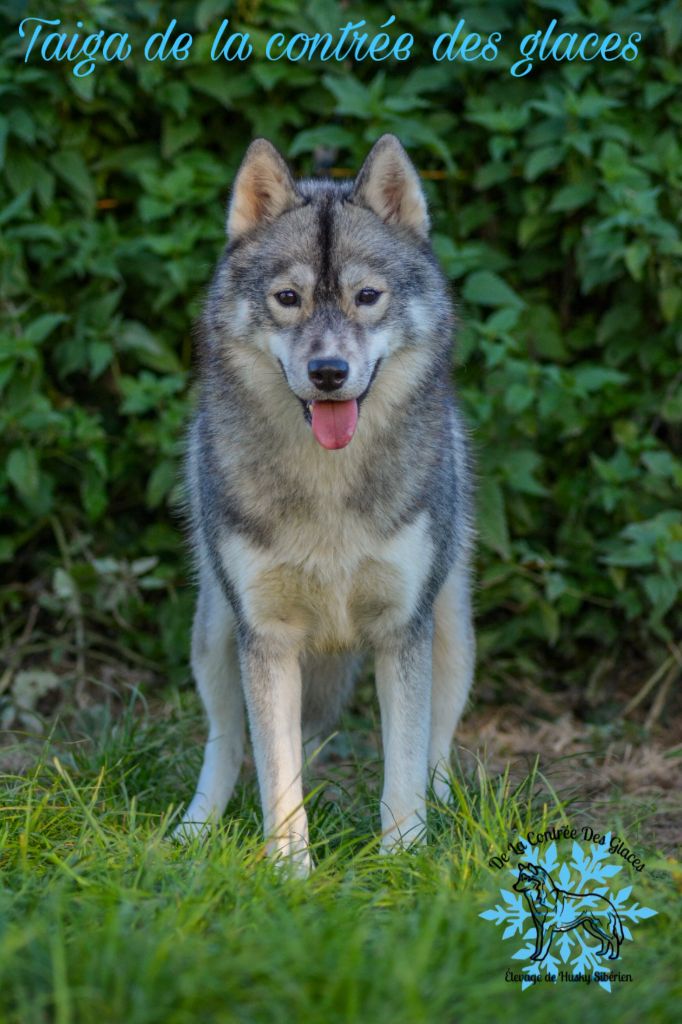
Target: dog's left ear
[[389, 184]]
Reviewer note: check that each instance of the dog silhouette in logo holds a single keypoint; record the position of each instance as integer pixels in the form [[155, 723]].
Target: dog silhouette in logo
[[556, 910]]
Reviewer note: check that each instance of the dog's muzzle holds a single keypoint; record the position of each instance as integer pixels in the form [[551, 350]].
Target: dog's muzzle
[[333, 421]]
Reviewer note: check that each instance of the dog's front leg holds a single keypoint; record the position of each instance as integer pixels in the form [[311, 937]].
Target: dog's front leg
[[403, 675], [544, 944], [272, 688], [539, 938]]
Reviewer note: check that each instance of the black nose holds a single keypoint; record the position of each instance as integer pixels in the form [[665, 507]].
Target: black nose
[[328, 374]]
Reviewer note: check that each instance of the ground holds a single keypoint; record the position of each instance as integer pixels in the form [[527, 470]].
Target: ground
[[103, 919]]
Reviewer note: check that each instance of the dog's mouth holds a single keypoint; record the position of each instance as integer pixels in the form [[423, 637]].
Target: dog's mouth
[[334, 422]]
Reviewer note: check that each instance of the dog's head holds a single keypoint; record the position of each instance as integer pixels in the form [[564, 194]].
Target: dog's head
[[529, 878], [329, 281]]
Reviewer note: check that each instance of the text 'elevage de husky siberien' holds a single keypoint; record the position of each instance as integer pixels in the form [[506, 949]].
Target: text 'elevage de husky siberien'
[[330, 491]]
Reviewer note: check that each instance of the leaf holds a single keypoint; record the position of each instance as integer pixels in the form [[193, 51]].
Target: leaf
[[40, 328], [93, 493], [352, 97], [492, 520], [328, 135], [216, 81], [160, 482], [100, 354], [7, 549], [551, 623], [208, 11], [519, 469], [518, 397], [671, 410], [4, 131], [150, 349], [15, 206], [23, 471], [594, 378], [504, 119], [572, 197], [636, 256], [542, 159], [662, 593], [72, 168], [489, 289], [670, 299], [177, 135]]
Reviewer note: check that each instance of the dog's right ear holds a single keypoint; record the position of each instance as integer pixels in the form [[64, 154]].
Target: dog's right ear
[[389, 185], [263, 189]]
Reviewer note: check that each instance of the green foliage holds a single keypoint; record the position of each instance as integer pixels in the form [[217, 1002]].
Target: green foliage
[[556, 203]]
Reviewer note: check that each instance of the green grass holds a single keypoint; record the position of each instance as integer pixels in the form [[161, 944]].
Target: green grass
[[103, 919]]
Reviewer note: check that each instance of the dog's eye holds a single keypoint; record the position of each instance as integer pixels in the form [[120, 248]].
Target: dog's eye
[[288, 297], [367, 297]]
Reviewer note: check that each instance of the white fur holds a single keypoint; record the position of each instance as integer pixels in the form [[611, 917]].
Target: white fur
[[303, 592]]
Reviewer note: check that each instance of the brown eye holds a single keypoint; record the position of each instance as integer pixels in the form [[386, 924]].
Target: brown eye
[[367, 297], [288, 297]]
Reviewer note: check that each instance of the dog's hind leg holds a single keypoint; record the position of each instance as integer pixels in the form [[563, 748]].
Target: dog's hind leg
[[403, 673], [595, 929], [617, 934], [215, 664], [327, 681], [453, 667], [597, 933]]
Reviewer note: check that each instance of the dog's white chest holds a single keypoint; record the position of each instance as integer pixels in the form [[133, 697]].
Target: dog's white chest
[[332, 585]]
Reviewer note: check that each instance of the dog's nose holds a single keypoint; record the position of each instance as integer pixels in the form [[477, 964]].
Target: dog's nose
[[328, 374]]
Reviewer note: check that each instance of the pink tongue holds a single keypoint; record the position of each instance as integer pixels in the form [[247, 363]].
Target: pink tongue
[[334, 423]]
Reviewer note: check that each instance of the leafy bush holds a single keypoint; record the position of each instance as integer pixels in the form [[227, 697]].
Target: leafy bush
[[556, 201]]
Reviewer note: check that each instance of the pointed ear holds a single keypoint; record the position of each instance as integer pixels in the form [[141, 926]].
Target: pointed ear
[[263, 189], [389, 184]]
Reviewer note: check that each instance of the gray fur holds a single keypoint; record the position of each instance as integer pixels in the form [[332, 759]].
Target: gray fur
[[312, 554]]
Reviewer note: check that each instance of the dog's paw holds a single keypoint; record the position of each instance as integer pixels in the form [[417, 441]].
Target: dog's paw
[[411, 836], [189, 831], [441, 786], [297, 864], [196, 823], [291, 855]]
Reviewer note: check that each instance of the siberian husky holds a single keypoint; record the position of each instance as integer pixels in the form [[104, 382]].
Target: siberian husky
[[330, 490]]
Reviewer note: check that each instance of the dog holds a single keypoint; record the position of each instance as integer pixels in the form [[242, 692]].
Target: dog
[[330, 488], [556, 910]]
